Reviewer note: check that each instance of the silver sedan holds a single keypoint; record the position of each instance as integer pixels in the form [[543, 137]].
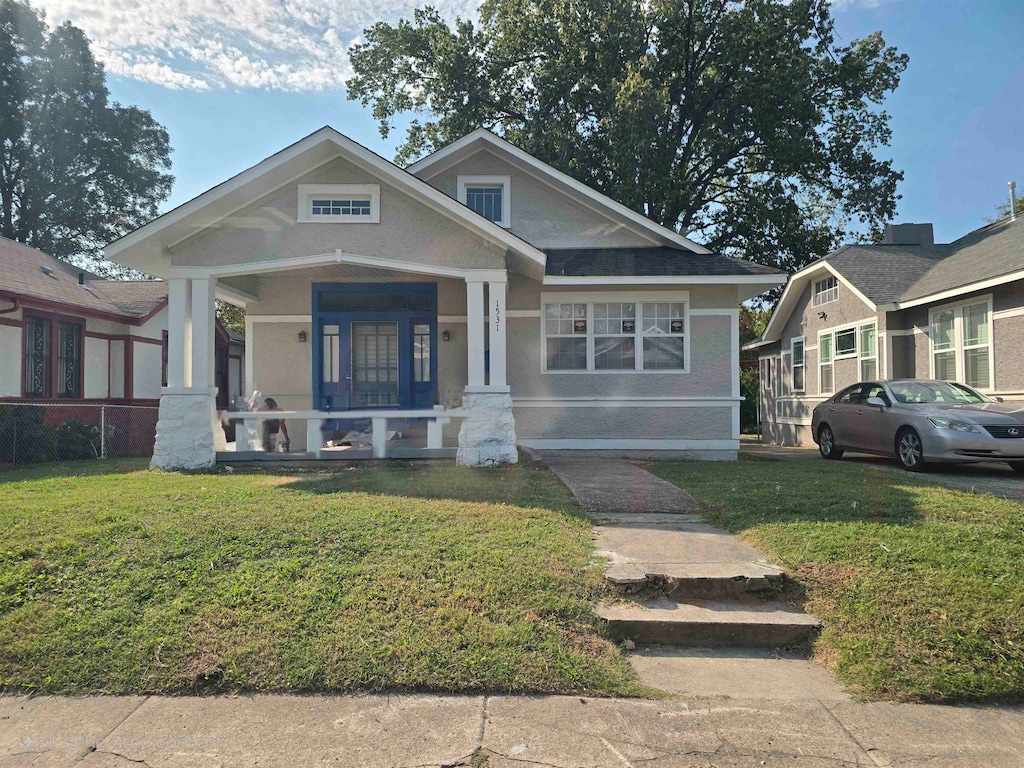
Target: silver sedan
[[920, 422]]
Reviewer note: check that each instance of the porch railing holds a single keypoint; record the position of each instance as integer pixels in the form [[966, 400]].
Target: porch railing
[[436, 420]]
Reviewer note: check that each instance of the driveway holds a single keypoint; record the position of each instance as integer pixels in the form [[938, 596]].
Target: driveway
[[995, 478]]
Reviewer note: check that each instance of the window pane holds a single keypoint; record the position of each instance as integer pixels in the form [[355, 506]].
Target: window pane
[[798, 353], [69, 358], [826, 384], [867, 341], [942, 329], [565, 320], [798, 378], [421, 352], [945, 366], [37, 357], [976, 368], [615, 353], [846, 342], [868, 369], [486, 201], [976, 324], [825, 348], [567, 354], [663, 353]]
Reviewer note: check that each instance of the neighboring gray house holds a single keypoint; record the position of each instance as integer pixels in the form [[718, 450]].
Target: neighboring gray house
[[906, 308], [530, 308]]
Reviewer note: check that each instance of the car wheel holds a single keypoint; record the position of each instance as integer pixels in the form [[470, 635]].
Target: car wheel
[[1017, 466], [910, 450], [827, 443]]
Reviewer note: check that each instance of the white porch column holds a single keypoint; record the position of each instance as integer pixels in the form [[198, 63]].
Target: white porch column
[[475, 330], [203, 330], [179, 318], [496, 293]]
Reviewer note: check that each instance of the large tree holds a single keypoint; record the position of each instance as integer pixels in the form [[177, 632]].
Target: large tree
[[742, 123], [76, 170]]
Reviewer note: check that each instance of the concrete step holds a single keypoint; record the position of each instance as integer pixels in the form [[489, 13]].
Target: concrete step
[[739, 622], [702, 581], [644, 519]]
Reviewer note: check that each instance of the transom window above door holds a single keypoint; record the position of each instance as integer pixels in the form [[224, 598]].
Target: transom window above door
[[487, 195], [339, 203]]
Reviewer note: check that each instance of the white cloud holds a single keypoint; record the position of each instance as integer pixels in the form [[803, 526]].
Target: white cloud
[[290, 45]]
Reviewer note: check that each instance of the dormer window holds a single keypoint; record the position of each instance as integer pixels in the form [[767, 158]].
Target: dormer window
[[487, 195], [339, 203]]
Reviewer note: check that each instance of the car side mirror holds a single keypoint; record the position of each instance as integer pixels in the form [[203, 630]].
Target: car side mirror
[[876, 402], [998, 399]]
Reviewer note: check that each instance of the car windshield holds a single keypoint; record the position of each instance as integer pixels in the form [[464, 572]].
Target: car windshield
[[933, 392]]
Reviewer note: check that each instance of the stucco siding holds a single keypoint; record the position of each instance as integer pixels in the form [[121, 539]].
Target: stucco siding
[[540, 214], [147, 367], [116, 371], [408, 230], [703, 423], [97, 365]]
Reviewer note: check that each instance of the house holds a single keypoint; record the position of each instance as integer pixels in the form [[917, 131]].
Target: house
[[904, 308], [479, 293], [68, 336]]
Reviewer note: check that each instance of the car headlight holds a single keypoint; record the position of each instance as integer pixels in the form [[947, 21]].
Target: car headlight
[[953, 424]]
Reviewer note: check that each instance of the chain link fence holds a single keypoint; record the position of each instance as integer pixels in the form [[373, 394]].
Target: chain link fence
[[35, 432]]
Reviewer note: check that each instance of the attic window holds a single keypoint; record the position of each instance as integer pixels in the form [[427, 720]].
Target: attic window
[[825, 290], [339, 203], [487, 195]]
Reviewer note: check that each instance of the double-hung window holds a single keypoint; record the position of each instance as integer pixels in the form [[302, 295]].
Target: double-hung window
[[961, 341], [797, 354], [606, 336], [868, 352], [826, 365], [766, 374], [53, 357], [825, 291]]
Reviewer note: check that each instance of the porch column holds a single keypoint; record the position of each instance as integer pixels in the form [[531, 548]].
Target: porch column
[[179, 319], [203, 324], [475, 330], [496, 291]]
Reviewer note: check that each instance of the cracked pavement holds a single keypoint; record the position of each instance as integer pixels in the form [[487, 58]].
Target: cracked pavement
[[412, 731]]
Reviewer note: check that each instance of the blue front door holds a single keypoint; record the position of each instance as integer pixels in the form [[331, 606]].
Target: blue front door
[[375, 345]]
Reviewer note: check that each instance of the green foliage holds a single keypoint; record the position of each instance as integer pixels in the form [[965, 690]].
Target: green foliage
[[76, 171], [114, 579], [743, 124], [753, 321], [231, 317], [919, 586]]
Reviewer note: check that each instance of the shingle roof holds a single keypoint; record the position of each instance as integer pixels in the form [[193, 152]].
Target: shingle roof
[[22, 273], [892, 273], [646, 262]]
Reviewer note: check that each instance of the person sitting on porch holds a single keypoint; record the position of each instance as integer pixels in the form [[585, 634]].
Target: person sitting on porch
[[271, 427]]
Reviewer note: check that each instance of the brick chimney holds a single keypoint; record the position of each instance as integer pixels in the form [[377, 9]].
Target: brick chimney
[[908, 234]]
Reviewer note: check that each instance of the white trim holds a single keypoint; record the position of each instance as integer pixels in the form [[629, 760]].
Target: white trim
[[250, 347], [625, 401], [482, 134], [736, 422], [598, 444], [805, 398], [505, 182], [362, 156], [1003, 314], [793, 364], [307, 192], [734, 355], [509, 313], [250, 319], [861, 358], [815, 293], [664, 280], [793, 421], [235, 296], [952, 293]]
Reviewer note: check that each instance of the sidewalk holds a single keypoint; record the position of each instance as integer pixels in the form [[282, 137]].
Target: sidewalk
[[498, 732]]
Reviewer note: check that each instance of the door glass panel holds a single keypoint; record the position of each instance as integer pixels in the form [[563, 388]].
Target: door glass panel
[[331, 354], [374, 364], [421, 353]]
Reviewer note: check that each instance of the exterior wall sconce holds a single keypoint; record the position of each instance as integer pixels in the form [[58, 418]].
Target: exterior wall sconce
[[302, 337], [446, 335]]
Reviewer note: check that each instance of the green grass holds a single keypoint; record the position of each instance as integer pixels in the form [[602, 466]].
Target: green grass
[[116, 579], [920, 587]]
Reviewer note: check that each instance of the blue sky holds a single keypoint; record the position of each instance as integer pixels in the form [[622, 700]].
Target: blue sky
[[234, 85]]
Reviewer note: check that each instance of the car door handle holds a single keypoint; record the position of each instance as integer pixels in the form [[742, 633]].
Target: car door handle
[[831, 409]]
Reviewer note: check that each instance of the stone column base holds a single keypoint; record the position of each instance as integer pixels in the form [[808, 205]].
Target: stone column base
[[488, 434], [188, 431]]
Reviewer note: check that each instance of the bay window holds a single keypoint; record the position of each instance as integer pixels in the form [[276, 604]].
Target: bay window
[[615, 336]]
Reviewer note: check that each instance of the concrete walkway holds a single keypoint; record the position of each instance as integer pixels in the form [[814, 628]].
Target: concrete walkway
[[498, 732], [994, 478]]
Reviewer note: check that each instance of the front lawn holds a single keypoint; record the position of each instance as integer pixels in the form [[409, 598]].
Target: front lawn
[[920, 587], [120, 580]]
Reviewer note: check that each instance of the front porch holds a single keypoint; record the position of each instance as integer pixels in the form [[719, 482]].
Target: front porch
[[364, 358]]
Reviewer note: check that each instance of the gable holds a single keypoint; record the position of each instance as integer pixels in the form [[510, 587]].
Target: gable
[[268, 230], [540, 214]]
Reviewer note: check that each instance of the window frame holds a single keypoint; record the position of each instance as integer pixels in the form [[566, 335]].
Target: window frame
[[959, 346], [856, 342], [802, 365], [831, 362], [638, 300], [819, 298], [309, 191], [464, 183], [861, 357], [55, 321]]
